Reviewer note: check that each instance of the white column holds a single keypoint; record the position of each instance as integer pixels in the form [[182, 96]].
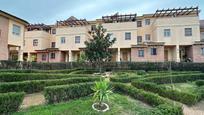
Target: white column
[[20, 54], [177, 54], [66, 57], [29, 58], [118, 60], [70, 56]]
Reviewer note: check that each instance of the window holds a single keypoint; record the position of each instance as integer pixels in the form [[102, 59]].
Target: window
[[52, 56], [167, 32], [16, 30], [43, 57], [77, 39], [139, 39], [35, 42], [53, 44], [202, 36], [63, 40], [53, 31], [188, 31], [93, 27], [140, 53], [139, 23], [153, 51], [202, 51], [127, 36], [147, 21], [147, 37]]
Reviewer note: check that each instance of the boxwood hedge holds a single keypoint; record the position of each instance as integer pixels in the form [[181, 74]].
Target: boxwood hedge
[[10, 102], [163, 105], [199, 83], [180, 78], [56, 94], [183, 97], [38, 85], [13, 77]]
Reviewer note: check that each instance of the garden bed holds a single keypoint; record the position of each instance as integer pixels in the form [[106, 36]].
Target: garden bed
[[119, 104]]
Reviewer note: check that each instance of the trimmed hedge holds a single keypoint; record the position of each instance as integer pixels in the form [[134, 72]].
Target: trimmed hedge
[[163, 105], [38, 85], [126, 79], [12, 77], [183, 97], [180, 78], [199, 83], [89, 71], [10, 102], [66, 71], [56, 94]]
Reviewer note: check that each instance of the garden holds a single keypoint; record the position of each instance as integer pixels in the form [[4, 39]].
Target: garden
[[75, 91]]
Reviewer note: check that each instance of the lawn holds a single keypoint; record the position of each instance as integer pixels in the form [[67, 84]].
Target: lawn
[[189, 87], [119, 104]]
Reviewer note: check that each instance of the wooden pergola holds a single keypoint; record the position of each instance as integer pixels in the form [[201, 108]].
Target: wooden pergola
[[73, 22], [177, 12], [44, 27], [119, 18]]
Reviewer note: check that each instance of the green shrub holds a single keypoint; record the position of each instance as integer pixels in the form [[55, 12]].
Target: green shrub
[[183, 97], [141, 72], [56, 94], [66, 71], [10, 102], [199, 83], [163, 105], [38, 85], [126, 79], [90, 71], [201, 91], [180, 78], [13, 77]]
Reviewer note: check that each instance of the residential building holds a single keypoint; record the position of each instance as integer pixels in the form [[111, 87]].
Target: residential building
[[12, 30], [166, 35]]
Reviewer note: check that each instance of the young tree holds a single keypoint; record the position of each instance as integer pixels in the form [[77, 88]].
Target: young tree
[[97, 49]]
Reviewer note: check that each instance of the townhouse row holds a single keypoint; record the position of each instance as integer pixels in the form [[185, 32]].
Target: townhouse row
[[166, 35]]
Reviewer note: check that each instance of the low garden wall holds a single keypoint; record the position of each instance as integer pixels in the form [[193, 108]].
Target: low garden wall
[[147, 66]]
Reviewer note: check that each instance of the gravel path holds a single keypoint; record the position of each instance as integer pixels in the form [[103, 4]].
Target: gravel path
[[32, 100], [197, 109]]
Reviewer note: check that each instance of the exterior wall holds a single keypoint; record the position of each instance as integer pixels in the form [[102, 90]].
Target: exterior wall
[[48, 57], [118, 30], [69, 33], [177, 25], [197, 56], [16, 39], [43, 40], [147, 55], [4, 38]]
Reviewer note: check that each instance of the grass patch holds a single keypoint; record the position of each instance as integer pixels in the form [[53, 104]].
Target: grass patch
[[188, 87], [119, 104]]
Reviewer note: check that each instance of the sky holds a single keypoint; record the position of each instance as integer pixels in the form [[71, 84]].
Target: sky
[[49, 11]]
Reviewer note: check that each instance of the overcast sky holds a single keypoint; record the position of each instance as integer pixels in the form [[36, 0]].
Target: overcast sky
[[48, 11]]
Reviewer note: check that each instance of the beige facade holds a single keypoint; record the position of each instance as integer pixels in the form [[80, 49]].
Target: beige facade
[[162, 36], [12, 30]]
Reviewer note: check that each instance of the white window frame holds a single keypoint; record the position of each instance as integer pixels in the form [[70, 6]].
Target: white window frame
[[147, 37], [77, 39], [188, 32], [202, 51], [63, 40], [16, 30], [152, 51], [35, 42], [127, 35], [140, 54], [147, 22], [167, 32]]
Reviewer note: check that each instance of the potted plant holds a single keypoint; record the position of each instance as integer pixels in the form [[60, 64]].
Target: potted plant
[[102, 91]]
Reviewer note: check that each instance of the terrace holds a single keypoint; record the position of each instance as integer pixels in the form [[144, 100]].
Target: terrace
[[119, 18]]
